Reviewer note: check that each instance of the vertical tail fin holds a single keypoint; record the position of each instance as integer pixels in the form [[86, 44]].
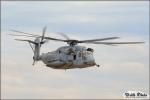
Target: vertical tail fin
[[36, 50]]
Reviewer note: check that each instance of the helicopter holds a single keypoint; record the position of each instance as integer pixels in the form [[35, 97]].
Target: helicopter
[[65, 57]]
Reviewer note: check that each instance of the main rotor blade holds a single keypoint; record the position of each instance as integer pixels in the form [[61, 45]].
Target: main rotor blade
[[116, 42], [64, 35], [26, 41], [102, 39], [55, 39], [24, 33]]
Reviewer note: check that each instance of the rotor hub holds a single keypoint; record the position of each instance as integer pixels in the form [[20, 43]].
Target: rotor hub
[[72, 42]]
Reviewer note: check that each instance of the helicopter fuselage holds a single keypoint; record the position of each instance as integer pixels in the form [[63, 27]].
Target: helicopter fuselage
[[68, 57]]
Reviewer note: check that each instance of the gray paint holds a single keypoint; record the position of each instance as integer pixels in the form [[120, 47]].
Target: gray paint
[[67, 57]]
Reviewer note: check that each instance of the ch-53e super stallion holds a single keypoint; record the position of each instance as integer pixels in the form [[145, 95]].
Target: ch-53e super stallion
[[66, 57]]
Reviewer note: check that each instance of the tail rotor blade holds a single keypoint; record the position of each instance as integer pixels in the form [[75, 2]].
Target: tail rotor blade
[[43, 33]]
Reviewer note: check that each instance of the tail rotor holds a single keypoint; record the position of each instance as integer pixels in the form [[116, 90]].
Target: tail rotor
[[43, 35], [36, 44]]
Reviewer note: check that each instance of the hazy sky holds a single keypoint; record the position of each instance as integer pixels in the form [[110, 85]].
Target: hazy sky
[[123, 68]]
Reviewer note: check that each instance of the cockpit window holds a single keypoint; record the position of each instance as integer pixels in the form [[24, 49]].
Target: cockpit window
[[90, 49]]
